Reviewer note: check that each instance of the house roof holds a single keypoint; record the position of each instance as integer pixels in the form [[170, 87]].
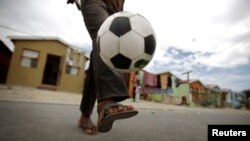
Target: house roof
[[39, 38], [5, 48], [13, 38], [225, 90], [196, 80], [8, 44], [213, 87], [164, 72]]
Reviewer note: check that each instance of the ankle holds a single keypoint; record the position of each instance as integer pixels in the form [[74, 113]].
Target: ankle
[[107, 100], [103, 102], [85, 115]]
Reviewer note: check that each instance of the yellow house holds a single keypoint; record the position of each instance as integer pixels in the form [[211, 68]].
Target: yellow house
[[46, 62]]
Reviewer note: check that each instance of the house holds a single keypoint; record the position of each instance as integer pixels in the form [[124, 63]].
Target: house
[[129, 80], [234, 99], [5, 57], [155, 85], [198, 92], [165, 87], [214, 95], [46, 62], [181, 91], [226, 97]]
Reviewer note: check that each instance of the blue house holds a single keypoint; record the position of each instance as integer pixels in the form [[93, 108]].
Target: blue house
[[235, 100]]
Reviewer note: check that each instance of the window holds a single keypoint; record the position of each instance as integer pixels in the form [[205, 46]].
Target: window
[[29, 58], [192, 90], [74, 62], [72, 70]]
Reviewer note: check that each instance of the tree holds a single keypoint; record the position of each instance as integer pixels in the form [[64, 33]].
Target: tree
[[247, 93]]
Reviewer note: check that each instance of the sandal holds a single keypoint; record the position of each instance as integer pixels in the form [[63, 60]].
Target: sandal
[[106, 120]]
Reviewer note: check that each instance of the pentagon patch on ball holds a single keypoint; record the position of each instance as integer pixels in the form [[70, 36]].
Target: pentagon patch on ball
[[126, 41]]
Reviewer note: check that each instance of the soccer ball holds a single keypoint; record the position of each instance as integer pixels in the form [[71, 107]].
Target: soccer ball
[[126, 41]]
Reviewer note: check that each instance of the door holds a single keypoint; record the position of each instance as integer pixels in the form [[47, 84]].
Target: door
[[51, 71]]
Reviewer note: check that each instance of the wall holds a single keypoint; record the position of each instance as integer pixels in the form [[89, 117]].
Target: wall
[[182, 90], [32, 77]]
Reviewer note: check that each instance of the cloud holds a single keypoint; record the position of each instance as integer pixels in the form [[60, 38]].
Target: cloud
[[45, 18], [212, 38], [238, 11], [241, 38], [173, 59], [227, 78], [232, 57], [228, 69]]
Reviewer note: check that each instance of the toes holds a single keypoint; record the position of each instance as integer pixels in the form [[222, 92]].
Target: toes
[[130, 107], [110, 111], [90, 131], [120, 108], [125, 108], [115, 110]]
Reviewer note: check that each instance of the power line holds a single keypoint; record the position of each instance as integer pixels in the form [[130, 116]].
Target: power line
[[13, 29], [23, 32]]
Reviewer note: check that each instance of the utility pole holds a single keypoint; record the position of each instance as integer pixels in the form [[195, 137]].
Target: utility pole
[[188, 72]]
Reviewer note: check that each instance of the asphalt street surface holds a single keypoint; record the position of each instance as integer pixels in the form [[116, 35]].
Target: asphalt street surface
[[21, 121]]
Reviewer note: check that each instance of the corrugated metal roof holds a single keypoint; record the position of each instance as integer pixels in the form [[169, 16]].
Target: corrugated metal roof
[[196, 80], [8, 44], [39, 38], [46, 38]]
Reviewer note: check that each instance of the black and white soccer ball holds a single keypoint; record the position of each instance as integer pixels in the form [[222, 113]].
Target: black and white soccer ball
[[126, 41]]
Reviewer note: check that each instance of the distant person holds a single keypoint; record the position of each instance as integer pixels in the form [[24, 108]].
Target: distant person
[[101, 83], [137, 87]]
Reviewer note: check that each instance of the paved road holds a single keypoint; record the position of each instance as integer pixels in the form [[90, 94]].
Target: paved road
[[21, 121]]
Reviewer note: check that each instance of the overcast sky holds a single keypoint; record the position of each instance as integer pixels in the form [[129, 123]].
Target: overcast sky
[[209, 37]]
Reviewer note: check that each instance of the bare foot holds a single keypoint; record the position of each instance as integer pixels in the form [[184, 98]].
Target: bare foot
[[87, 125]]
